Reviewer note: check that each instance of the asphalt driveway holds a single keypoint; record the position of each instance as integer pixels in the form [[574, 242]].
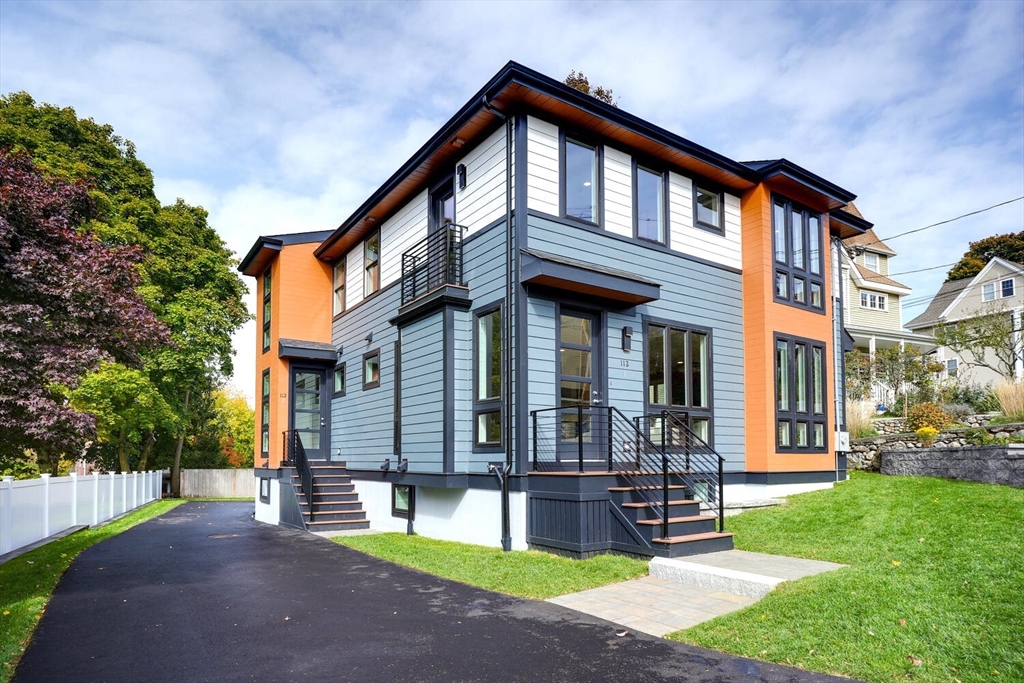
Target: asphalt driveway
[[204, 593]]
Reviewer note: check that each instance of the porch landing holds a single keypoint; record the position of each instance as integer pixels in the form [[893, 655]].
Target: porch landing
[[683, 593]]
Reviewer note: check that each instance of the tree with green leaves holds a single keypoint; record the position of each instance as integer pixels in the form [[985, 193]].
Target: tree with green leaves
[[988, 338], [858, 369], [1009, 246], [237, 425], [582, 83], [899, 369]]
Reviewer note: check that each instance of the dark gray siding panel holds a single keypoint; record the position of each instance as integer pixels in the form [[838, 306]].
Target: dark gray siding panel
[[692, 293], [423, 394]]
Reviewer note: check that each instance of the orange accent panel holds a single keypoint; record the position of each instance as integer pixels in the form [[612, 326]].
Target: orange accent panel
[[763, 317], [307, 317]]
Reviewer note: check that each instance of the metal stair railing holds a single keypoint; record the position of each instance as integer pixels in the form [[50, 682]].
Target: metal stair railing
[[295, 455], [691, 459]]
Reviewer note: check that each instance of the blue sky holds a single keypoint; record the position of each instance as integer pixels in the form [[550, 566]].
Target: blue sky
[[284, 117]]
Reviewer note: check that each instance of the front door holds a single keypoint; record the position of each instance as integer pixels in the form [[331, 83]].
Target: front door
[[580, 375], [309, 410]]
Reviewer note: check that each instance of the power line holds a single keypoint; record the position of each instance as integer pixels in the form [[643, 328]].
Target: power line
[[921, 270]]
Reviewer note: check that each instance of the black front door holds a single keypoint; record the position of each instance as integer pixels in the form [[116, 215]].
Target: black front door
[[580, 380], [309, 410]]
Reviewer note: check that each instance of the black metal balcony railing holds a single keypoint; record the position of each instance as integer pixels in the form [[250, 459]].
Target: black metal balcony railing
[[433, 262]]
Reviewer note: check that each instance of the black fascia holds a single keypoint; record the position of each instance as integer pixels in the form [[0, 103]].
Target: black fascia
[[275, 242], [847, 218], [802, 175], [536, 264]]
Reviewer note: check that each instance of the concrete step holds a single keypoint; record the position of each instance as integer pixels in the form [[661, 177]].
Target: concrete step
[[732, 581]]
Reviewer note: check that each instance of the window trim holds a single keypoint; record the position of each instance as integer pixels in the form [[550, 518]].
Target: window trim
[[786, 268], [267, 278], [265, 403], [584, 141], [637, 166], [367, 265], [487, 405], [698, 412], [790, 416], [710, 189], [264, 490], [373, 384], [438, 192], [339, 368], [985, 286], [882, 299], [1002, 288], [878, 263], [409, 514], [341, 264]]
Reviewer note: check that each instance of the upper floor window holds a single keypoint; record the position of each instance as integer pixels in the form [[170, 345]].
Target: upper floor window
[[1007, 287], [679, 374], [799, 267], [707, 208], [871, 262], [339, 286], [371, 264], [800, 395], [442, 209], [649, 208], [878, 302], [579, 181], [988, 291], [266, 311], [951, 367]]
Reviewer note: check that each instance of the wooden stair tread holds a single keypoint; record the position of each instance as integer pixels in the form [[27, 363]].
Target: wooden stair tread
[[673, 520], [645, 488], [660, 504], [671, 540], [336, 512], [338, 521]]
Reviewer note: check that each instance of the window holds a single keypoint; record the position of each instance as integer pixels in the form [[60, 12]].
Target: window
[[371, 369], [403, 501], [649, 206], [988, 291], [266, 311], [878, 302], [579, 181], [799, 267], [339, 286], [265, 414], [339, 380], [707, 208], [679, 374], [871, 262], [1007, 287], [442, 205], [371, 264], [487, 369], [951, 367], [264, 490], [800, 394]]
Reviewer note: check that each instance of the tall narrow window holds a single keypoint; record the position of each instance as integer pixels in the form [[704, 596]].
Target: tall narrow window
[[266, 310], [580, 181], [814, 245], [488, 378], [800, 394], [339, 287], [339, 380], [265, 414], [799, 265], [371, 264], [679, 374], [988, 291], [650, 205], [707, 208]]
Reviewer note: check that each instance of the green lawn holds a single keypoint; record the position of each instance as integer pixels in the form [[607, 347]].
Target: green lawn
[[526, 574], [26, 582], [935, 591]]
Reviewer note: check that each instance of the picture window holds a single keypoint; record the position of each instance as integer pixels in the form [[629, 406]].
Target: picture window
[[800, 394], [580, 181], [650, 211], [797, 237]]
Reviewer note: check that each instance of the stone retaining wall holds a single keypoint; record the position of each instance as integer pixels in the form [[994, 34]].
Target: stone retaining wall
[[897, 425], [987, 464], [865, 454]]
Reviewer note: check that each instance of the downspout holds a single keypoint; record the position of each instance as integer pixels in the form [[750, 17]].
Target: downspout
[[840, 404], [506, 338]]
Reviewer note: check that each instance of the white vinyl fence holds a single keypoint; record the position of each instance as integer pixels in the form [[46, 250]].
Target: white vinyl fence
[[34, 509]]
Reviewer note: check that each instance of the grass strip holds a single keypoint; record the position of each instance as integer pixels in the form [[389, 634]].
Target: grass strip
[[935, 590], [27, 581], [523, 573]]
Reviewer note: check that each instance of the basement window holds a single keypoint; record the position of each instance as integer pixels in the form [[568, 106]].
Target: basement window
[[403, 501]]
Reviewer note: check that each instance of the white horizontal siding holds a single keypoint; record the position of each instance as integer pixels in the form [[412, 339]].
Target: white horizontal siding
[[685, 237], [618, 192], [398, 234], [482, 201], [542, 162]]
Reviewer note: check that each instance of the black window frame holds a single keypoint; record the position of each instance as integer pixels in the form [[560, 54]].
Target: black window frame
[[1002, 288], [367, 265], [340, 368], [693, 412], [637, 166], [583, 141], [373, 384], [265, 413], [264, 490], [343, 263], [438, 193], [790, 415], [788, 269], [710, 188], [487, 406], [409, 514], [268, 285]]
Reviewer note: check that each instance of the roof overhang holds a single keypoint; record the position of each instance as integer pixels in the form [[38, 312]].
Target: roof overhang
[[306, 350], [865, 283], [846, 225], [267, 246], [808, 188], [885, 339], [569, 275]]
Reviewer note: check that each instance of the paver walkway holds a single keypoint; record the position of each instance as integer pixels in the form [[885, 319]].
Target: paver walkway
[[203, 593]]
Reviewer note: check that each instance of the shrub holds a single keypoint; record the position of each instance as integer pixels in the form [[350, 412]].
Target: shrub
[[978, 396], [958, 411], [977, 437], [1011, 399], [858, 419], [927, 435], [928, 415]]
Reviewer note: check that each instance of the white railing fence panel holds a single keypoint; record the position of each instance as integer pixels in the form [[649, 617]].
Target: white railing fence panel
[[61, 513]]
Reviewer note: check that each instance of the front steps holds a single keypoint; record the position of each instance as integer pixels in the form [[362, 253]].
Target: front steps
[[335, 505]]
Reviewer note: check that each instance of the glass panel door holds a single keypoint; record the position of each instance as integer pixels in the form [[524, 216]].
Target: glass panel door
[[579, 374], [308, 406]]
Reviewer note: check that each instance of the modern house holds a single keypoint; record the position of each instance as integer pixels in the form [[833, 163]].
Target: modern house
[[557, 325], [995, 290]]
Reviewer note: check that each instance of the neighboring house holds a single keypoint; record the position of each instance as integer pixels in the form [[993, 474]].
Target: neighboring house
[[547, 314], [872, 301], [995, 290]]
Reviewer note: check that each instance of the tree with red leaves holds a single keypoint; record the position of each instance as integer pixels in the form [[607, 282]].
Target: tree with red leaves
[[67, 303]]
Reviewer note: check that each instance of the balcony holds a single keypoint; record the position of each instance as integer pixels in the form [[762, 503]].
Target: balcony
[[433, 263]]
